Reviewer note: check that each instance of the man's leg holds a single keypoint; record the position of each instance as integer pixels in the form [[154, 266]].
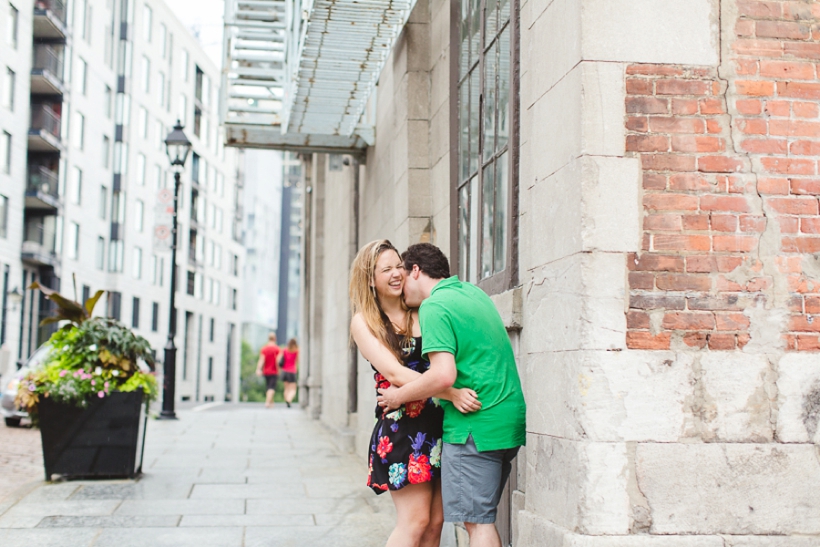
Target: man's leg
[[483, 535]]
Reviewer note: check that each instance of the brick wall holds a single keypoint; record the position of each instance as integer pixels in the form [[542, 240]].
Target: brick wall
[[730, 178]]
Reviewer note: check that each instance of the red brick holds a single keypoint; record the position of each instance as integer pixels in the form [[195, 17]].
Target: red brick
[[723, 302], [793, 205], [731, 321], [800, 245], [637, 320], [745, 27], [638, 86], [668, 162], [793, 128], [684, 107], [711, 106], [795, 304], [724, 223], [787, 70], [700, 264], [773, 186], [806, 110], [758, 48], [788, 166], [647, 105], [812, 304], [647, 340], [765, 146], [647, 143], [753, 127], [656, 301], [719, 164], [752, 224], [695, 222], [805, 148], [688, 182], [682, 87], [789, 341], [808, 343], [804, 323], [782, 29], [778, 108], [728, 263], [690, 243], [749, 107], [676, 125], [670, 202], [759, 10], [695, 339], [754, 88], [798, 90], [810, 225], [689, 321], [721, 341], [788, 225], [746, 67], [637, 123], [654, 70], [798, 11], [805, 187], [808, 50], [654, 181], [641, 281], [713, 127], [697, 143], [735, 244], [724, 203], [683, 282], [662, 223], [655, 263], [740, 185]]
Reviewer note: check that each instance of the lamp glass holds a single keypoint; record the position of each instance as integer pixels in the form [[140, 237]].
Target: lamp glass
[[177, 146]]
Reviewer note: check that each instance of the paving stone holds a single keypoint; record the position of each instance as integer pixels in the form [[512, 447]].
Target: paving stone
[[248, 520], [49, 537], [182, 507], [170, 537], [117, 521]]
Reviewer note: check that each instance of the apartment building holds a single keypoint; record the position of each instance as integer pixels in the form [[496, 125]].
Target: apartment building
[[109, 79]]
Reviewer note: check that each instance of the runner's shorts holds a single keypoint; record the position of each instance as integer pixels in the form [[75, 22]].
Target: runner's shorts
[[289, 377], [472, 481]]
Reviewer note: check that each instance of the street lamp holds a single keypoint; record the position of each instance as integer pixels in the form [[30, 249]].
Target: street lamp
[[177, 145]]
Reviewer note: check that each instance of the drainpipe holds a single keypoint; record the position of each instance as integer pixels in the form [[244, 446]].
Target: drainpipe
[[353, 366]]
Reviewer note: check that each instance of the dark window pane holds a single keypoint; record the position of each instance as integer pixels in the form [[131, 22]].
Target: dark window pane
[[474, 117], [135, 313], [472, 266], [490, 21], [475, 30], [490, 71], [503, 131], [463, 230], [155, 317], [500, 224], [464, 131], [487, 206]]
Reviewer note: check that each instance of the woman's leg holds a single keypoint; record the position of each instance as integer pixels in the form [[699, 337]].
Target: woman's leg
[[269, 398], [432, 536], [412, 514], [290, 391]]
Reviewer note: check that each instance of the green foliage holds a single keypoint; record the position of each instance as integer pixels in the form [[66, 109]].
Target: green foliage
[[67, 310], [253, 386]]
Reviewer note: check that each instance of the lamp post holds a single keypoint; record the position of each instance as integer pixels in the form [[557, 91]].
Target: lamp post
[[177, 146]]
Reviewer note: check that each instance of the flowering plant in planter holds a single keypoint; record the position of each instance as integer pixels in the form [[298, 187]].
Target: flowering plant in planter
[[89, 358]]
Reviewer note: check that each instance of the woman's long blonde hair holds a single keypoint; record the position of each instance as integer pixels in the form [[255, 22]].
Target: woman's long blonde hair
[[364, 300]]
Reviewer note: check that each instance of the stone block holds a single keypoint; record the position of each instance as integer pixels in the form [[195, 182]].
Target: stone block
[[733, 400], [798, 398], [418, 95], [418, 137], [417, 36], [439, 128], [738, 488], [440, 186], [556, 125], [771, 541], [440, 83], [651, 31], [441, 231], [603, 98], [608, 396], [509, 305]]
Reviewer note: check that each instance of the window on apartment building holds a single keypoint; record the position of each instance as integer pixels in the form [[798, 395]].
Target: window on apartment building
[[5, 150], [81, 78], [159, 132], [80, 8], [154, 316], [114, 305], [147, 22], [135, 312], [9, 85], [86, 291], [4, 216], [121, 158], [197, 122], [218, 257], [145, 73], [217, 292], [139, 212], [73, 240], [100, 255], [195, 167], [123, 109], [106, 151], [235, 265], [78, 130], [118, 207], [88, 25], [101, 211], [108, 101], [136, 263], [163, 40], [212, 330], [210, 368], [115, 255], [13, 25], [190, 286], [161, 88], [233, 302], [486, 179], [142, 123], [139, 175], [75, 187], [183, 65]]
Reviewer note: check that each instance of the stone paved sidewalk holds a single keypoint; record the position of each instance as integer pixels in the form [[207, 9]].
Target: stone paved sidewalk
[[232, 475]]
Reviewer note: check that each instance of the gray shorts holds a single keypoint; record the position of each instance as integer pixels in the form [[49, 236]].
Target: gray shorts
[[472, 481]]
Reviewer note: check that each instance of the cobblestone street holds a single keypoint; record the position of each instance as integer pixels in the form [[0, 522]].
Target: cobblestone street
[[230, 475]]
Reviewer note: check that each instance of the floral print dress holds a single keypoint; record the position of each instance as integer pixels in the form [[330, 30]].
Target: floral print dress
[[405, 447]]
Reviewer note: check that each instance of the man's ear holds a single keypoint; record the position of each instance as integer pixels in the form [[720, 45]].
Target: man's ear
[[416, 271]]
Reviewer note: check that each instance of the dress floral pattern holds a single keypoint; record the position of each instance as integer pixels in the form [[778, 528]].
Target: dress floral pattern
[[405, 447]]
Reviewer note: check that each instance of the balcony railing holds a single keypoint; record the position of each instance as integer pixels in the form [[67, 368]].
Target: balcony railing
[[43, 118], [43, 180], [46, 58], [42, 234], [56, 7]]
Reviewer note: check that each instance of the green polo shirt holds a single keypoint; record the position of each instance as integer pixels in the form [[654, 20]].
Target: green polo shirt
[[460, 318]]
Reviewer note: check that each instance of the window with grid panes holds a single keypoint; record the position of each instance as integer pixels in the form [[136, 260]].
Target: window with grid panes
[[485, 174]]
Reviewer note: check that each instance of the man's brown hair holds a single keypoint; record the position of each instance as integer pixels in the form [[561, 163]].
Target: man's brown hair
[[428, 258]]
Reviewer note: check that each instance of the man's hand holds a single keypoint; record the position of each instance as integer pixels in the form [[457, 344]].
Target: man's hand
[[466, 400], [259, 372], [388, 399]]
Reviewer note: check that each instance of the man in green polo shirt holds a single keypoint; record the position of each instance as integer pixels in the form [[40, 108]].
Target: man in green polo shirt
[[464, 338]]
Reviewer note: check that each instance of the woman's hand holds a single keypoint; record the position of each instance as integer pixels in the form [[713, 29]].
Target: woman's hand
[[465, 400]]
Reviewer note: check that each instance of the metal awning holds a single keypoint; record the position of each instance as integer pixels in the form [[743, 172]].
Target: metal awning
[[302, 80]]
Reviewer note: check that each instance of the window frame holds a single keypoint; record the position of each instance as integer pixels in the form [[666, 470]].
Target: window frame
[[507, 278]]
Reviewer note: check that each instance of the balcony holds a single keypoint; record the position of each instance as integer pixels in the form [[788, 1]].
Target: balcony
[[50, 20], [44, 133], [47, 71], [39, 244], [41, 189]]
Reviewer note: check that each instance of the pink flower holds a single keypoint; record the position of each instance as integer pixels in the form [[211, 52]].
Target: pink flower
[[31, 387], [101, 394], [106, 385], [93, 383], [63, 373]]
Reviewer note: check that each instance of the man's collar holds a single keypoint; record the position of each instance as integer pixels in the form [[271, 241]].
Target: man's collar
[[449, 282]]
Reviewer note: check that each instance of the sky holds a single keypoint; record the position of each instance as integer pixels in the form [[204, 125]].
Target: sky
[[204, 19]]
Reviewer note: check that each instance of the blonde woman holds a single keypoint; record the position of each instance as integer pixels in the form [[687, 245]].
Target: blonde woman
[[405, 448]]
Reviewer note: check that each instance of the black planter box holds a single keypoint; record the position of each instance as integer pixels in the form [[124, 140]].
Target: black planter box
[[103, 440]]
